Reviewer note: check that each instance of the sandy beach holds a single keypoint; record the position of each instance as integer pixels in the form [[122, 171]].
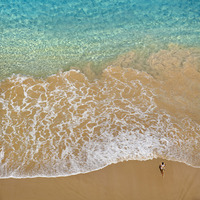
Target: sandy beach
[[126, 180], [87, 83]]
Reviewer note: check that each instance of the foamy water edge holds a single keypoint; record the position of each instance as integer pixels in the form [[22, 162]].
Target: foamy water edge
[[115, 161]]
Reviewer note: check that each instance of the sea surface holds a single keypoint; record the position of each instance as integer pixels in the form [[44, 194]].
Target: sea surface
[[88, 83]]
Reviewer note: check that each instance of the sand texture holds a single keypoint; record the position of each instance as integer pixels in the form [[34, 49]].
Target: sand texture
[[126, 180]]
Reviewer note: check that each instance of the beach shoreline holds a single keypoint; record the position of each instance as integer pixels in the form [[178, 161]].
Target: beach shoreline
[[124, 180]]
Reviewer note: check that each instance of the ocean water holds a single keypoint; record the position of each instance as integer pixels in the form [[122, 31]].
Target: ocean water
[[85, 84], [40, 38]]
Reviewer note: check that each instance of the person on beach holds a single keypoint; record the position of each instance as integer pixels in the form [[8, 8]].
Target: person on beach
[[162, 168]]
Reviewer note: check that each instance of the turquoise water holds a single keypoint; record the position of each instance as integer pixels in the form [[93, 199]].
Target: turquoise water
[[40, 38]]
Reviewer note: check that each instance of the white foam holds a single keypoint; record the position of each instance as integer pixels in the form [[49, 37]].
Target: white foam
[[118, 139]]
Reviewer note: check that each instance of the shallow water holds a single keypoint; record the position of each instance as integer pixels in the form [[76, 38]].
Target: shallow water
[[66, 124], [40, 38], [136, 96]]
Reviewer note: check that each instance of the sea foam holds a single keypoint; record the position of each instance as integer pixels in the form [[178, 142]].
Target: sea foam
[[66, 125]]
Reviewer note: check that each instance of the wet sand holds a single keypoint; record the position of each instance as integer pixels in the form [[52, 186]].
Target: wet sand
[[126, 180]]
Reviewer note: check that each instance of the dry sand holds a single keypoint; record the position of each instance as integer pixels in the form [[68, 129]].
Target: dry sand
[[127, 180]]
